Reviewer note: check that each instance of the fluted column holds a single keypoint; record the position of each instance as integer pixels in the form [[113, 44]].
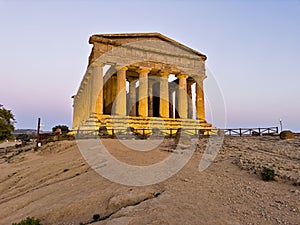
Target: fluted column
[[143, 92], [79, 108], [132, 96], [190, 98], [164, 95], [75, 111], [182, 96], [171, 100], [150, 98], [89, 89], [98, 88], [200, 98], [85, 99], [120, 101], [107, 96], [113, 92]]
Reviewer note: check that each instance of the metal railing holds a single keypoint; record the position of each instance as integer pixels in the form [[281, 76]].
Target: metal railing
[[251, 131], [169, 132]]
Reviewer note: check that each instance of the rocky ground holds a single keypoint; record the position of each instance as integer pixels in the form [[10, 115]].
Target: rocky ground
[[56, 185]]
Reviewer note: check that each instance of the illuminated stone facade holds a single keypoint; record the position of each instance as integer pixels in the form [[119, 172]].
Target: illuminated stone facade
[[142, 81]]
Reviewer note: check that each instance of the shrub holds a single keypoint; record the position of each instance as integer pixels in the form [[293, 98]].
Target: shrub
[[25, 137], [29, 221], [267, 174], [7, 121], [64, 128], [287, 135]]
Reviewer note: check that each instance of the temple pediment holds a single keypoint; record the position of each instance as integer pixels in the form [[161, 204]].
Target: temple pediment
[[125, 38]]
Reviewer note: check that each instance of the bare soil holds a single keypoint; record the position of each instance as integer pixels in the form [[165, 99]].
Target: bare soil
[[56, 185]]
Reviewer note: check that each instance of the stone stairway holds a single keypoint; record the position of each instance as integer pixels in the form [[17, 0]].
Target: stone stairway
[[143, 125]]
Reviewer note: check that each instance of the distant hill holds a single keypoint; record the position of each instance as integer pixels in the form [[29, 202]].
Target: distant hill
[[25, 131], [28, 131]]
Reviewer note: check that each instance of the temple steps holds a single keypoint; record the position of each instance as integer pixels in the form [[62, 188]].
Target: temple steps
[[144, 125]]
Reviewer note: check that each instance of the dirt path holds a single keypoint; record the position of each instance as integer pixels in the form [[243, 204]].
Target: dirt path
[[56, 185]]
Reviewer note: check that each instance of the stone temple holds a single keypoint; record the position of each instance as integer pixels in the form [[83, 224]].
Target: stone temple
[[141, 81]]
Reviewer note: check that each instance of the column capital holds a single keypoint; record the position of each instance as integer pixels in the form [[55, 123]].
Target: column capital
[[143, 70], [131, 79], [164, 73], [199, 78], [119, 67], [96, 63], [182, 76]]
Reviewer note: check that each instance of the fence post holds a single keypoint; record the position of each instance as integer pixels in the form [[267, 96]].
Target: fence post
[[38, 132], [240, 131]]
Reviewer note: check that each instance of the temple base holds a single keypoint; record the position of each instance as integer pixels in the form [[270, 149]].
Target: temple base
[[142, 125]]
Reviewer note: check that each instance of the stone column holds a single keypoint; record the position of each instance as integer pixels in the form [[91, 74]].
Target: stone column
[[164, 95], [89, 92], [113, 92], [106, 97], [176, 92], [120, 101], [75, 111], [85, 99], [200, 98], [173, 88], [132, 96], [182, 96], [98, 88], [143, 92], [171, 100], [150, 98], [79, 108], [110, 93], [190, 98]]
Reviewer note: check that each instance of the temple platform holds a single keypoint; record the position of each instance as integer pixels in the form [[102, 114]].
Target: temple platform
[[142, 125]]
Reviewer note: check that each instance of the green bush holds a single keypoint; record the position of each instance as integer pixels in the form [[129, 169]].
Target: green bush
[[267, 174], [7, 121], [29, 221], [63, 128]]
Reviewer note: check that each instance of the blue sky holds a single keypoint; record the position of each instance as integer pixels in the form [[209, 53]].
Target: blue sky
[[252, 48]]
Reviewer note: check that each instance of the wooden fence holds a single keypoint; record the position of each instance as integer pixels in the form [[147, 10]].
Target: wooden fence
[[251, 131], [143, 132]]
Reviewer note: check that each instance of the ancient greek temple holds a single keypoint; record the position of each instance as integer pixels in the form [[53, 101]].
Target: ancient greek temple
[[140, 81]]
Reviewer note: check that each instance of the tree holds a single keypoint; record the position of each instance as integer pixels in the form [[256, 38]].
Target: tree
[[64, 128], [7, 120]]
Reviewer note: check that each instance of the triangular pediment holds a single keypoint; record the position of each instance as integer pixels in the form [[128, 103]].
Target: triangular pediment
[[125, 38]]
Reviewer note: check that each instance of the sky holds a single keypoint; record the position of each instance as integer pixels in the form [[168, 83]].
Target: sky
[[252, 50]]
